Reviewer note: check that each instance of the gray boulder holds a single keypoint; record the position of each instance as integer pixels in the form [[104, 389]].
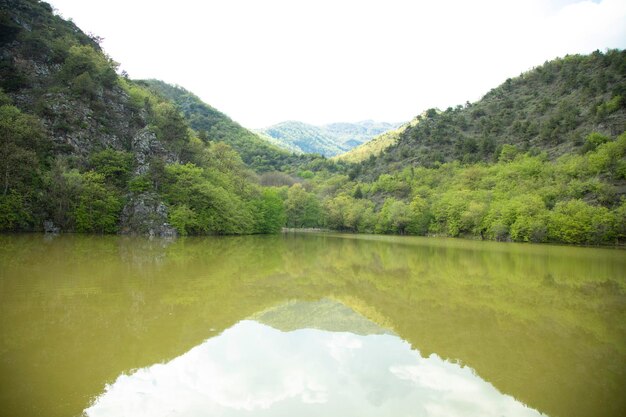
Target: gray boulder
[[145, 214]]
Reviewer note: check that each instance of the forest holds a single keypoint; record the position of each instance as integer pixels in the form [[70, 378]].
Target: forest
[[541, 158]]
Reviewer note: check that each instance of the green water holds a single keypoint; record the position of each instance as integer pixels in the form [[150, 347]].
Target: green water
[[309, 325]]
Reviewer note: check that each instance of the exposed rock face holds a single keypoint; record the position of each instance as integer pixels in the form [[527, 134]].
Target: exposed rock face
[[39, 74], [76, 123], [49, 227], [81, 127], [146, 146], [145, 214]]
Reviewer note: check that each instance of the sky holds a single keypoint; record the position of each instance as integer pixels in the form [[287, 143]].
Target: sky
[[254, 369], [324, 61]]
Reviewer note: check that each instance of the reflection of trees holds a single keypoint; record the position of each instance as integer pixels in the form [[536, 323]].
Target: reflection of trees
[[541, 323]]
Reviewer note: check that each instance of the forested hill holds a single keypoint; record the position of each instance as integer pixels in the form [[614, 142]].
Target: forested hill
[[551, 109], [541, 158], [213, 125], [328, 140], [354, 134], [86, 150], [375, 146], [304, 138]]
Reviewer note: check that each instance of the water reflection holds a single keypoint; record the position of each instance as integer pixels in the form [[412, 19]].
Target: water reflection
[[253, 367], [544, 324]]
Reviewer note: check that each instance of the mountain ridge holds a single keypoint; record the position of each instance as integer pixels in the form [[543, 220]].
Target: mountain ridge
[[541, 158], [550, 108], [329, 140]]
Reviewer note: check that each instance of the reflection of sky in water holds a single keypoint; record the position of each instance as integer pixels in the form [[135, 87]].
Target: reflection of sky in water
[[254, 369]]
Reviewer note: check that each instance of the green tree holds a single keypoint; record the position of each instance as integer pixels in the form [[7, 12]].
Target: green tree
[[15, 213], [115, 166], [84, 59], [218, 210], [508, 153], [394, 217], [99, 207], [84, 86], [170, 126], [575, 221], [592, 142], [302, 208], [20, 142], [183, 219], [21, 148], [420, 216], [271, 212], [62, 193]]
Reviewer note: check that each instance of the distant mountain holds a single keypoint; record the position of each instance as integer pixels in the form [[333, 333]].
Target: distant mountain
[[354, 134], [328, 140], [375, 146], [303, 138]]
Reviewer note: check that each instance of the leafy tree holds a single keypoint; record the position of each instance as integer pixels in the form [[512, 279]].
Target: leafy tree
[[302, 208], [570, 222], [420, 216], [170, 126], [140, 184], [15, 213], [21, 144], [508, 153], [271, 212], [115, 166], [394, 217], [531, 219], [183, 219], [99, 207], [592, 141], [218, 210], [84, 59], [84, 86], [20, 141], [63, 189]]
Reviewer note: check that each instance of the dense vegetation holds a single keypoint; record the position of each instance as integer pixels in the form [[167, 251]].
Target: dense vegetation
[[213, 125], [83, 147], [522, 197], [551, 108], [540, 158], [208, 189], [328, 140], [373, 147], [304, 138]]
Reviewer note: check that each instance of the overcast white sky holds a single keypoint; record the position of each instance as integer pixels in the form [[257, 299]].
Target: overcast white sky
[[321, 61]]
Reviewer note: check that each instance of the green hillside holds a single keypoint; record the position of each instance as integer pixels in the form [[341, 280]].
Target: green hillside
[[540, 158], [86, 150], [375, 146], [551, 109], [213, 125]]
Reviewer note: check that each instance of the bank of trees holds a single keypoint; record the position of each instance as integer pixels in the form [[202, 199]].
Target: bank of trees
[[521, 198], [524, 196], [207, 190]]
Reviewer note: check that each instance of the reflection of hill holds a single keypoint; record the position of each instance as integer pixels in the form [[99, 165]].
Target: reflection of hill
[[324, 314], [544, 324]]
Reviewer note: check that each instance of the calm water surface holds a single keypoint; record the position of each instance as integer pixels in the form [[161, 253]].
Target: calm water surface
[[309, 325]]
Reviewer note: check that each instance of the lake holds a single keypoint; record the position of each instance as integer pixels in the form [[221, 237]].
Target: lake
[[309, 325]]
